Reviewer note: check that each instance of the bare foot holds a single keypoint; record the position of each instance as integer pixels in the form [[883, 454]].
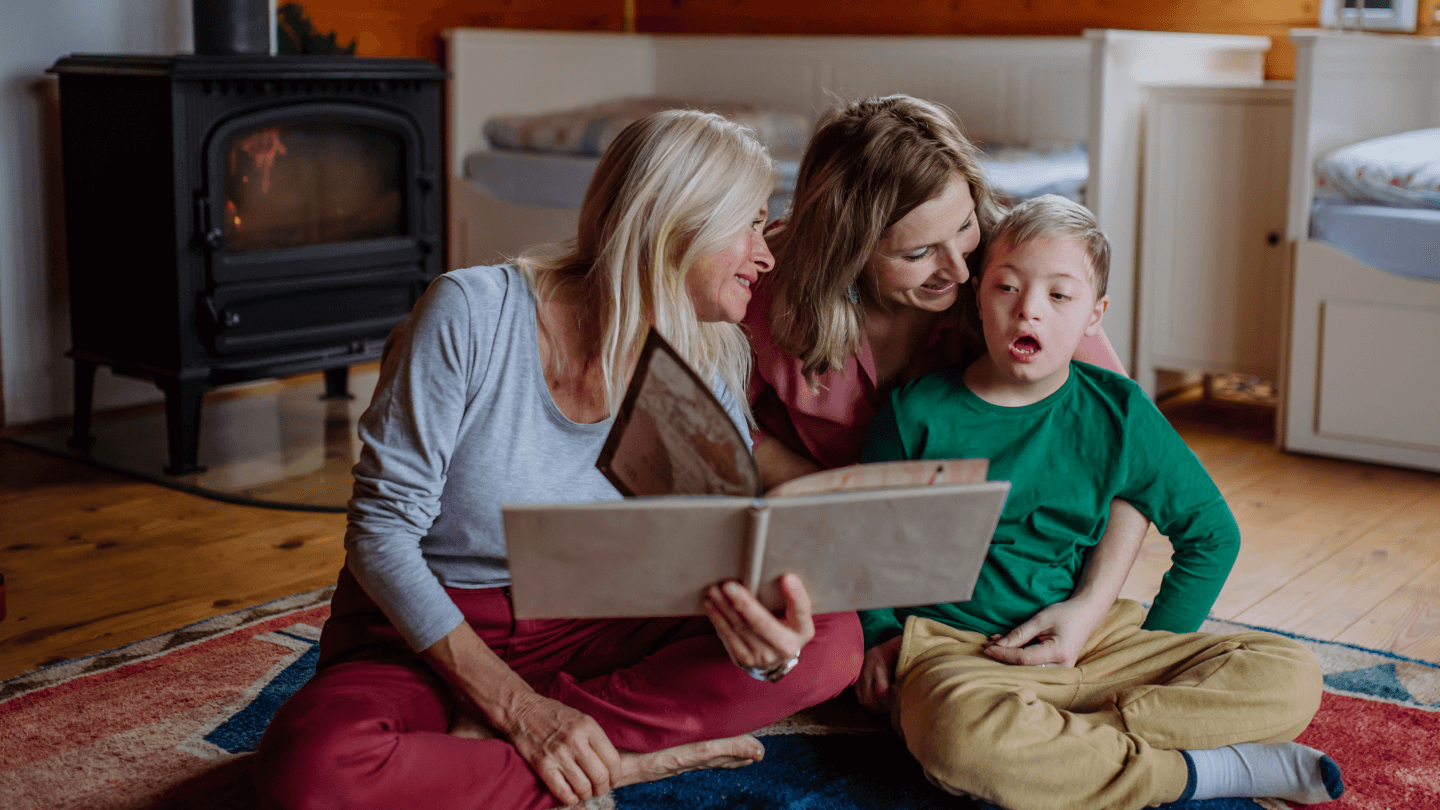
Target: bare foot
[[730, 752], [466, 726]]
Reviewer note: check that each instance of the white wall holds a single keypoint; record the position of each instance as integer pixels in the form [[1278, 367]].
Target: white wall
[[34, 310]]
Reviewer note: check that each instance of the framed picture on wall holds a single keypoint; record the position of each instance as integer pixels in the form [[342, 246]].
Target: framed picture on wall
[[1369, 15]]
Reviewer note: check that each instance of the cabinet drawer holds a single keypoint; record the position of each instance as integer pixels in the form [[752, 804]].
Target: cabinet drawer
[[1378, 365]]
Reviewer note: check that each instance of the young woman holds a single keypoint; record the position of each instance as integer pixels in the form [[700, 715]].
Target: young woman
[[871, 290], [501, 387]]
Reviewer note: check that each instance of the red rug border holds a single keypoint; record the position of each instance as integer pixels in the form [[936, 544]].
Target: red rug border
[[158, 645]]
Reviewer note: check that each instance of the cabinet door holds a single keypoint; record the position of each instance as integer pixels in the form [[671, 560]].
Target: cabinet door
[[1213, 258]]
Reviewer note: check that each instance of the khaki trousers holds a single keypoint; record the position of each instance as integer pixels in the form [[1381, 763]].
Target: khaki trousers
[[1106, 733]]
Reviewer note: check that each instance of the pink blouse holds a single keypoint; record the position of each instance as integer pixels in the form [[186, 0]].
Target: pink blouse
[[830, 425]]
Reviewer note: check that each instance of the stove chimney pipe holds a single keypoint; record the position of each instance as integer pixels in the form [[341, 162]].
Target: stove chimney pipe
[[226, 27]]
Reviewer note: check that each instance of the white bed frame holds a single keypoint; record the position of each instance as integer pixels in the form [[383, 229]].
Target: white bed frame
[[1363, 376], [1089, 88]]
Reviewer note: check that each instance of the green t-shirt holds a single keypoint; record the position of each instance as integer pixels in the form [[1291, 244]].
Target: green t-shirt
[[1099, 437]]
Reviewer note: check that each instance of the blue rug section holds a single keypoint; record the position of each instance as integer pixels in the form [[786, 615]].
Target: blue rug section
[[1214, 804], [804, 772], [825, 772], [241, 733], [1379, 681]]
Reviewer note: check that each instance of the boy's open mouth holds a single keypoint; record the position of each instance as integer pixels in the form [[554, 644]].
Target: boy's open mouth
[[1025, 345]]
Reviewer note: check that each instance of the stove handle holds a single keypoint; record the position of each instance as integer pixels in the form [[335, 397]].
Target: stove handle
[[211, 237], [220, 318]]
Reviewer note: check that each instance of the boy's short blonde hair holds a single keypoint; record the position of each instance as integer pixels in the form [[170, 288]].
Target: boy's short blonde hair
[[1053, 216]]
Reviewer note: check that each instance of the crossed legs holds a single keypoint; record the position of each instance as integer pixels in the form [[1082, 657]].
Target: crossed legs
[[1107, 733], [370, 729]]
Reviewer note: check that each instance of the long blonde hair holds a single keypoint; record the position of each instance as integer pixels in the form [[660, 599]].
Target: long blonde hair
[[672, 187], [869, 164]]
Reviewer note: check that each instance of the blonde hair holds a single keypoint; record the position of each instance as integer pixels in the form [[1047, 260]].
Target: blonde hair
[[1053, 216], [670, 188], [869, 164]]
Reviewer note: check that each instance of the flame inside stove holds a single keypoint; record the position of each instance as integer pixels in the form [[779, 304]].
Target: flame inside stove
[[263, 146]]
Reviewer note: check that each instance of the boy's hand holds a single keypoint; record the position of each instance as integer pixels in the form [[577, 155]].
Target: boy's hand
[[1053, 637], [877, 676]]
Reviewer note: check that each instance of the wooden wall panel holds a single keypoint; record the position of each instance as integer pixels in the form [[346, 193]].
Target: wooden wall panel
[[970, 17], [1429, 22], [413, 27]]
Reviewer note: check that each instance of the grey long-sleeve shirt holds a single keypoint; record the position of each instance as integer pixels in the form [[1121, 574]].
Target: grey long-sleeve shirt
[[460, 423]]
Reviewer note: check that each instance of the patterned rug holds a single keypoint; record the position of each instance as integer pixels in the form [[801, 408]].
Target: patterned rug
[[169, 722]]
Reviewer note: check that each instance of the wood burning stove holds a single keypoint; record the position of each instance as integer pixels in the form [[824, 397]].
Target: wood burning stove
[[232, 218]]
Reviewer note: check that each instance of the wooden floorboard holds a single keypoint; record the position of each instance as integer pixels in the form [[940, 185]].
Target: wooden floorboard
[[1331, 549], [1335, 594], [94, 559], [1407, 622]]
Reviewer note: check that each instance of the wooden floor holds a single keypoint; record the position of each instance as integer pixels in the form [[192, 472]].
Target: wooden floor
[[1331, 549], [92, 559]]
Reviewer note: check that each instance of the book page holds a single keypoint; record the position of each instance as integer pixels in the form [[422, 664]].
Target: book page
[[885, 475], [882, 548], [631, 557], [673, 437]]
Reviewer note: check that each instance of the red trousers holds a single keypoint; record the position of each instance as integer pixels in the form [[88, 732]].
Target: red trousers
[[369, 730]]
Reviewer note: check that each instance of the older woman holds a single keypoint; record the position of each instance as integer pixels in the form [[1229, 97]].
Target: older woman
[[501, 387], [871, 291]]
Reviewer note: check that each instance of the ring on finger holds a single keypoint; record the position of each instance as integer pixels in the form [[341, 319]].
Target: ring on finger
[[775, 673]]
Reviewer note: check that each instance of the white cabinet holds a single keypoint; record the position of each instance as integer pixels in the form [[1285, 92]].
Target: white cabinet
[[1213, 253]]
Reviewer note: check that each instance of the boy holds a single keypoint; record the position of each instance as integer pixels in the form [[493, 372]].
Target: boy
[[1145, 715]]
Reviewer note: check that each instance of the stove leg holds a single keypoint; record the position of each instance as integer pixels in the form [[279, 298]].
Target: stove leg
[[182, 424], [81, 438], [337, 383]]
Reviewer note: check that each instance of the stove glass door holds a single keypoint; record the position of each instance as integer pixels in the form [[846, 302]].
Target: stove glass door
[[312, 183]]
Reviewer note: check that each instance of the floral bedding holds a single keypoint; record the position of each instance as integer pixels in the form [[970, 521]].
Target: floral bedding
[[588, 130], [1400, 170]]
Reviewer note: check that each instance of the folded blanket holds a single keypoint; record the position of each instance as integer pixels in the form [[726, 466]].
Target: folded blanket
[[588, 130]]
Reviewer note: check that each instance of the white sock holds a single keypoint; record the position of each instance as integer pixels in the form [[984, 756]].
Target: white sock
[[1288, 771]]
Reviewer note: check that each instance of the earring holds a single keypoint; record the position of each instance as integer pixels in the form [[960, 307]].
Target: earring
[[853, 293]]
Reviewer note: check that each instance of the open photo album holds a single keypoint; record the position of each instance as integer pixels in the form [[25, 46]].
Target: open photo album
[[695, 512]]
